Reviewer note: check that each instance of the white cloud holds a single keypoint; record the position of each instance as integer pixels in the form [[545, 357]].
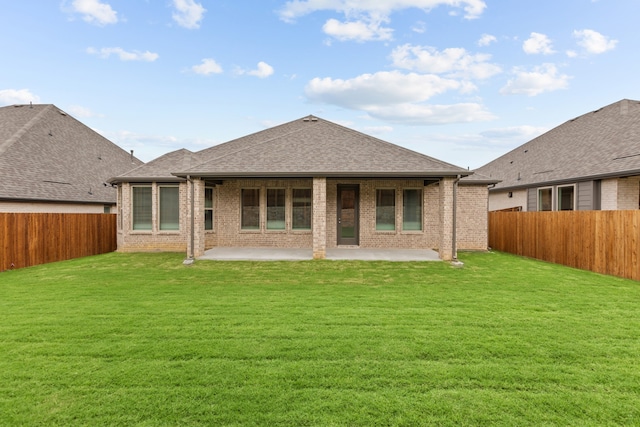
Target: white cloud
[[359, 31], [396, 97], [422, 114], [264, 70], [95, 12], [544, 78], [188, 13], [207, 67], [135, 55], [593, 42], [381, 8], [538, 44], [486, 40], [382, 88], [17, 96], [453, 62]]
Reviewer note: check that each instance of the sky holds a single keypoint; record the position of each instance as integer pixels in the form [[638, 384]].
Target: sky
[[464, 81]]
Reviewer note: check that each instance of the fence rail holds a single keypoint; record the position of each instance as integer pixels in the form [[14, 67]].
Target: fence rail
[[28, 239], [606, 242]]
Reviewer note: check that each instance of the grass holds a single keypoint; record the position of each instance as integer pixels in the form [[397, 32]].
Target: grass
[[139, 339]]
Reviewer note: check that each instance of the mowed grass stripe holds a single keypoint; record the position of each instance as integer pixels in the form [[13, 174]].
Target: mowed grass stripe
[[141, 339]]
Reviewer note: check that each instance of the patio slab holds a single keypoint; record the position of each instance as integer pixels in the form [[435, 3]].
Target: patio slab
[[280, 254]]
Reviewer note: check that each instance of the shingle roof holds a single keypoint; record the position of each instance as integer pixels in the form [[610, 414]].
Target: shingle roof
[[308, 147], [599, 144], [47, 155]]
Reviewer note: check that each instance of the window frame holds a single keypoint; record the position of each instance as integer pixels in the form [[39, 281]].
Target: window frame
[[163, 227], [283, 206], [251, 228], [538, 199], [306, 208], [209, 209], [404, 211], [379, 225], [134, 208], [559, 194]]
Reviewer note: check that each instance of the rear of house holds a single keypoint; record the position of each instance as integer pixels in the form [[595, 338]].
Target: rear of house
[[308, 183]]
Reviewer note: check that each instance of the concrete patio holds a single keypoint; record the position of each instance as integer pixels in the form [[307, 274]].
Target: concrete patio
[[279, 254]]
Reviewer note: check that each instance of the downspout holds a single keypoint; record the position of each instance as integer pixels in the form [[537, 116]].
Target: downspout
[[193, 223], [454, 249]]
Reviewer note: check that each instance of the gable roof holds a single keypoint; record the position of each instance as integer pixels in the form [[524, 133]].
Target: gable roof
[[306, 147], [600, 144], [47, 155]]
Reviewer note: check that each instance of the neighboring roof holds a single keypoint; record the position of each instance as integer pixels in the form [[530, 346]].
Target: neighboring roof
[[47, 155], [306, 147], [160, 169], [601, 144]]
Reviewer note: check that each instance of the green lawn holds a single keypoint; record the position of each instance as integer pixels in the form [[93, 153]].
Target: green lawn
[[140, 339]]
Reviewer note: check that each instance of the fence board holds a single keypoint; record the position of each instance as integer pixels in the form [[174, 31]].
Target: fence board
[[605, 242], [28, 239]]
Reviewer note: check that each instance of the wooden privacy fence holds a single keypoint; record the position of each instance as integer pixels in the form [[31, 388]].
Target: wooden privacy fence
[[28, 239], [606, 242]]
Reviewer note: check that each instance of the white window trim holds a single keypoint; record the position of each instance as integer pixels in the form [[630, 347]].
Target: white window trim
[[553, 198], [575, 195]]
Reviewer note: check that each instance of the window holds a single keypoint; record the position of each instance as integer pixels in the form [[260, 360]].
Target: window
[[250, 216], [301, 212], [545, 199], [412, 210], [385, 209], [169, 208], [275, 209], [566, 198], [142, 208], [107, 209], [208, 208]]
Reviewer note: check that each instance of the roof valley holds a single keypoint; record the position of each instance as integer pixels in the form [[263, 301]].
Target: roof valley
[[15, 137]]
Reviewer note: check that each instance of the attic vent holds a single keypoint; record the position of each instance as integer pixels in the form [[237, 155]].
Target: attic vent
[[62, 112], [310, 119]]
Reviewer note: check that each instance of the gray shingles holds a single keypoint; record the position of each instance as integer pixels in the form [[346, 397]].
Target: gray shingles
[[47, 155], [313, 146], [602, 143]]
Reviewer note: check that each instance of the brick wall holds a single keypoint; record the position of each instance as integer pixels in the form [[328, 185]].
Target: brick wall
[[629, 193], [437, 220], [472, 219], [154, 240]]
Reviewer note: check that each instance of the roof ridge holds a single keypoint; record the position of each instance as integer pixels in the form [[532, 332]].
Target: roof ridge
[[16, 136]]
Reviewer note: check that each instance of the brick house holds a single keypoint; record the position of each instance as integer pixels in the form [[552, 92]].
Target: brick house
[[51, 162], [309, 183], [591, 162]]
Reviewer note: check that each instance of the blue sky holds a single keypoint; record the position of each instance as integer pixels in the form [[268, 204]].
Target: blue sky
[[464, 81]]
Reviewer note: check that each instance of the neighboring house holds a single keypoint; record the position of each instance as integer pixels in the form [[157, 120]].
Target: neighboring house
[[591, 162], [50, 162], [308, 183]]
